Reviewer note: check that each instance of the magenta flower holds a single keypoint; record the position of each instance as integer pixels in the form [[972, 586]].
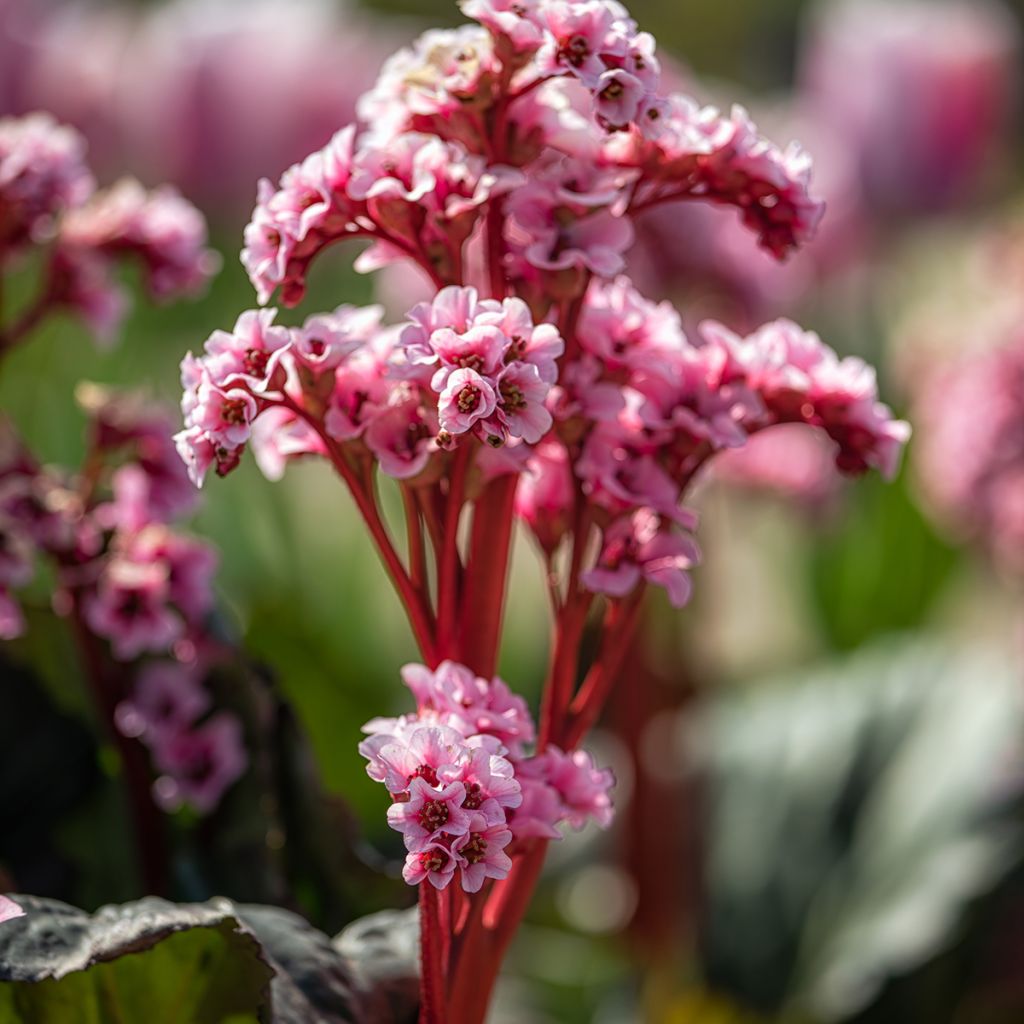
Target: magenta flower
[[419, 752], [518, 21], [42, 174], [433, 862], [640, 547], [326, 339], [166, 699], [480, 853], [199, 765], [584, 789], [467, 399], [130, 606], [248, 356], [429, 813], [544, 497]]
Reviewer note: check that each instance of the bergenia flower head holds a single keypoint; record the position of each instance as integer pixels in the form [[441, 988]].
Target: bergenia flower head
[[504, 163]]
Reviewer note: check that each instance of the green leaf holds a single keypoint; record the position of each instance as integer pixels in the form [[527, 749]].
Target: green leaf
[[209, 963], [148, 961], [858, 813]]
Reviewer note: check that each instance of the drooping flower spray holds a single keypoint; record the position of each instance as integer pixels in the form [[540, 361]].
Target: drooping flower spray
[[506, 159]]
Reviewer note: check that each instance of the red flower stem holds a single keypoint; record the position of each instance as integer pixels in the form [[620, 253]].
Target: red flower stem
[[621, 622], [449, 570], [483, 602], [414, 534], [413, 598], [432, 992]]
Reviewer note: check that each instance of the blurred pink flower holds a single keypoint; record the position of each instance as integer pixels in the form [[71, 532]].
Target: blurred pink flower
[[173, 91], [924, 91], [199, 765], [970, 450]]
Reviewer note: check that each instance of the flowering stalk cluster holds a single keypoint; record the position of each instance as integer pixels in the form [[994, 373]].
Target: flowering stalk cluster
[[49, 203], [506, 161], [131, 585]]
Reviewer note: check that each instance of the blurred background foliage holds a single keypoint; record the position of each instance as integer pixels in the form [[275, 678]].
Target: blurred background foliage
[[821, 818]]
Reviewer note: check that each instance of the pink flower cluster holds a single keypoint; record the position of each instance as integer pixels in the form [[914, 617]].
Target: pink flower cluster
[[651, 408], [506, 160], [48, 195], [971, 466], [463, 788], [42, 174], [139, 584], [589, 144], [462, 365], [198, 760]]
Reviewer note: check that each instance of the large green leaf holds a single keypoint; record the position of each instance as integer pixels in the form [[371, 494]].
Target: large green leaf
[[857, 815], [210, 963]]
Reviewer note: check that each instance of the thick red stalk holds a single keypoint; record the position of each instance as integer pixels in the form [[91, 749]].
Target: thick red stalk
[[413, 598], [450, 569], [620, 623], [487, 563], [432, 972]]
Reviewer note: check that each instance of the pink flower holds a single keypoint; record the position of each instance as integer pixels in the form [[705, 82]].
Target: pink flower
[[433, 86], [432, 862], [161, 229], [9, 910], [521, 395], [970, 448], [544, 496], [166, 699], [620, 98], [421, 752], [293, 223], [583, 788], [518, 21], [278, 436], [199, 765], [481, 853], [248, 356], [638, 547], [541, 810], [130, 606], [361, 388], [225, 416], [466, 399], [581, 34], [199, 452], [469, 704], [429, 813], [190, 566], [400, 437], [916, 153], [698, 153], [566, 217], [42, 174], [491, 787], [325, 339]]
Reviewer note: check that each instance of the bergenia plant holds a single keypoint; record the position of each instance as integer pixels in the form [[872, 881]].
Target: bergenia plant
[[135, 590], [506, 160]]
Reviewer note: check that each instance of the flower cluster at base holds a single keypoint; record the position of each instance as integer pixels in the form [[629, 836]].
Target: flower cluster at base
[[198, 757], [48, 197], [464, 790], [128, 579]]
